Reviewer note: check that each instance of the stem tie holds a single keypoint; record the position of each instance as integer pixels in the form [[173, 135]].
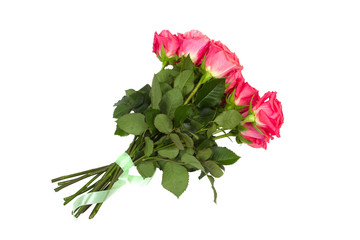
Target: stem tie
[[125, 162]]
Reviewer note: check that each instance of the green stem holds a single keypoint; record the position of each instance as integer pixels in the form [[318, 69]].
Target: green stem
[[72, 182], [218, 131], [69, 182], [162, 159], [100, 185], [77, 194], [128, 151], [194, 135], [203, 79], [164, 64], [139, 143], [138, 160], [135, 147], [193, 93], [144, 158], [81, 190], [163, 147], [117, 173], [222, 136], [77, 174]]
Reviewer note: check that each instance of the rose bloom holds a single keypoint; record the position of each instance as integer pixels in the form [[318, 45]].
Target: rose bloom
[[234, 79], [193, 43], [220, 61], [244, 93], [258, 140], [268, 119], [168, 40]]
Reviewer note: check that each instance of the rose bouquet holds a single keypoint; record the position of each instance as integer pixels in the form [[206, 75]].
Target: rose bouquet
[[199, 96]]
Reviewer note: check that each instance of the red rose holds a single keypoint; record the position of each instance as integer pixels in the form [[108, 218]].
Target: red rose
[[169, 41], [220, 61], [268, 119], [193, 43]]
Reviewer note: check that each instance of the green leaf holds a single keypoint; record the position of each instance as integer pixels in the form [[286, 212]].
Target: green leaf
[[211, 130], [213, 168], [222, 167], [171, 100], [197, 125], [146, 169], [121, 110], [129, 92], [187, 64], [136, 99], [224, 156], [145, 89], [155, 93], [163, 123], [205, 144], [181, 113], [191, 160], [165, 75], [132, 123], [170, 152], [175, 178], [189, 143], [149, 118], [165, 87], [211, 93], [204, 154], [120, 132], [161, 140], [202, 174], [206, 115], [190, 151], [160, 164], [176, 140], [212, 181], [149, 146], [144, 106], [229, 119], [185, 81], [124, 100]]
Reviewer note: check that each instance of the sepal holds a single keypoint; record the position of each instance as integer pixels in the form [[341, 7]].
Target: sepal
[[230, 102], [165, 59]]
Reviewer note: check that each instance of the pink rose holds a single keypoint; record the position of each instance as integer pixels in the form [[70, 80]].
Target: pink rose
[[244, 93], [195, 44], [258, 140], [168, 40], [269, 115], [234, 79], [268, 119], [219, 61]]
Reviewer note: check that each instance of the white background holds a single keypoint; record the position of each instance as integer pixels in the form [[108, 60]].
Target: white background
[[63, 64]]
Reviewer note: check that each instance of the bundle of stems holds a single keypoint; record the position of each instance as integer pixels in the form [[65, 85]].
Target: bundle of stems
[[108, 176]]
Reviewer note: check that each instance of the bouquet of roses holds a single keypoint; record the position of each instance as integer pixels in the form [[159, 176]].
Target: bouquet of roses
[[199, 96]]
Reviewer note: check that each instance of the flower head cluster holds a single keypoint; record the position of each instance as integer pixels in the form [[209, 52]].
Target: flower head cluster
[[263, 116]]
